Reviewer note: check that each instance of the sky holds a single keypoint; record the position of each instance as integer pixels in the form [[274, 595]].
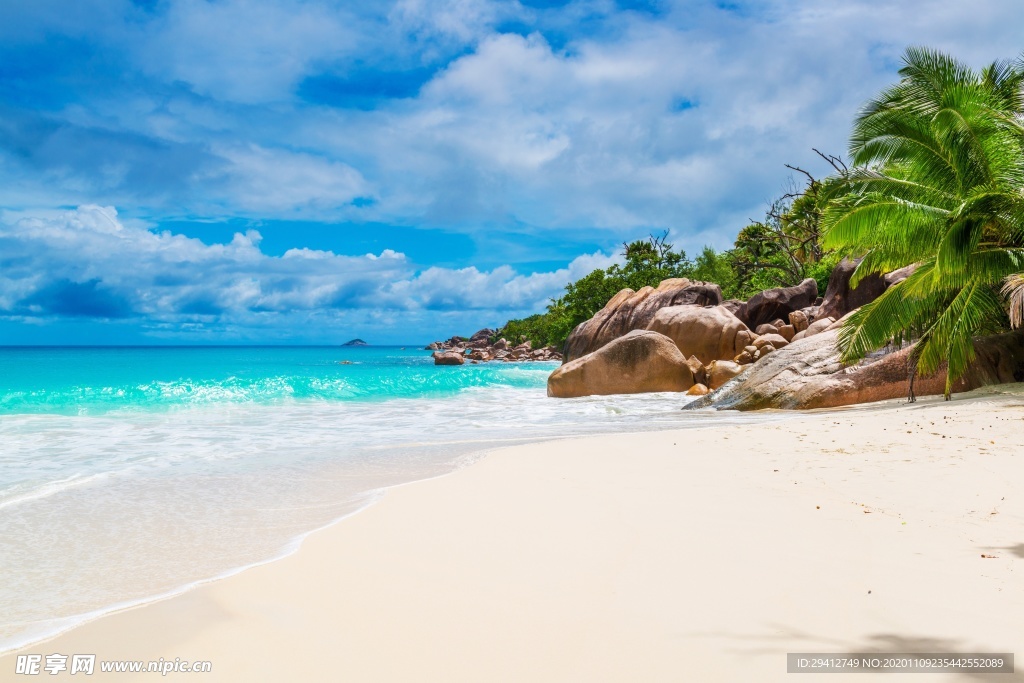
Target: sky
[[289, 171]]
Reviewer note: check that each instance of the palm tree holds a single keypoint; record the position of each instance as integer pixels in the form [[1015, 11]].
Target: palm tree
[[938, 181]]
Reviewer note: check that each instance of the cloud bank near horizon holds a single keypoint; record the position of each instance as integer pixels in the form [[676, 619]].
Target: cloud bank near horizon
[[536, 130], [87, 264]]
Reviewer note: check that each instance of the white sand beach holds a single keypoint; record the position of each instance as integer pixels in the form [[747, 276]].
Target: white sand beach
[[688, 555]]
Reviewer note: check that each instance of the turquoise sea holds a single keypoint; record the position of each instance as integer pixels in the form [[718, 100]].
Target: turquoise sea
[[131, 473], [99, 380]]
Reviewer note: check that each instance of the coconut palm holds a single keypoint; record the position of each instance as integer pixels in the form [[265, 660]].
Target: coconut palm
[[938, 181]]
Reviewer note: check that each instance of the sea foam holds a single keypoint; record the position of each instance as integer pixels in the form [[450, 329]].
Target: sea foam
[[121, 486]]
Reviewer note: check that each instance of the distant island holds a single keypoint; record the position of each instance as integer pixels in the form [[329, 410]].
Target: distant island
[[355, 342]]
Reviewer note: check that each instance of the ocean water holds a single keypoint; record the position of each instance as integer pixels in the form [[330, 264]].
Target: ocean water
[[132, 473]]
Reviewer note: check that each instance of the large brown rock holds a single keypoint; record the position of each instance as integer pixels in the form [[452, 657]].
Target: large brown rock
[[484, 334], [840, 298], [778, 303], [629, 310], [448, 358], [709, 333], [637, 362], [809, 374], [736, 307]]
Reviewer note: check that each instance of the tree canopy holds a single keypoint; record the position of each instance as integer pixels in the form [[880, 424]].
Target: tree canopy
[[938, 181]]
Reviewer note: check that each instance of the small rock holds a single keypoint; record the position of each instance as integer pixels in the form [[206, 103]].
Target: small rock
[[721, 371], [744, 358], [799, 320], [818, 326], [775, 340]]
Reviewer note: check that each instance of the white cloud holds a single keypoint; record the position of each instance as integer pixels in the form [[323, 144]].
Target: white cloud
[[575, 126], [281, 183], [598, 125], [501, 288], [88, 263], [592, 135], [243, 50]]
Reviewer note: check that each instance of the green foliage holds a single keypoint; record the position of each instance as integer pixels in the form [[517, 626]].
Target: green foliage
[[786, 247], [780, 251], [646, 263], [938, 181], [715, 266]]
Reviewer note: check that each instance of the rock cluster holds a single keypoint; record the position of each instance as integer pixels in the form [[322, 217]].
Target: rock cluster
[[809, 374], [480, 349], [629, 310], [776, 350]]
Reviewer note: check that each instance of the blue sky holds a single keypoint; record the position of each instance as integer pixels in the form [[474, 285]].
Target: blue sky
[[234, 171]]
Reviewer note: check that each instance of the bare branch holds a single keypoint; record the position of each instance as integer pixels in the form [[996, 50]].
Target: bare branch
[[811, 178], [835, 162]]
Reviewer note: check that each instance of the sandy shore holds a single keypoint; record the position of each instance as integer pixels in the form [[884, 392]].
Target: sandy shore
[[696, 555]]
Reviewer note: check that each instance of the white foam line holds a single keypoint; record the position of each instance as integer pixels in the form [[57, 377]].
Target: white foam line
[[53, 488], [65, 624]]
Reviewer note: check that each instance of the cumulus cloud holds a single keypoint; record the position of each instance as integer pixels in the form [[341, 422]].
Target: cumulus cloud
[[280, 182], [86, 263], [527, 123], [574, 115], [241, 50]]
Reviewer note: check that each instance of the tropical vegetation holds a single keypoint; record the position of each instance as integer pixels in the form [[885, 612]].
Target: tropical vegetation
[[780, 250], [936, 182]]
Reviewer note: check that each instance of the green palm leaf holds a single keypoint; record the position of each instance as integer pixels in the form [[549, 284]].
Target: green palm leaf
[[938, 181]]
